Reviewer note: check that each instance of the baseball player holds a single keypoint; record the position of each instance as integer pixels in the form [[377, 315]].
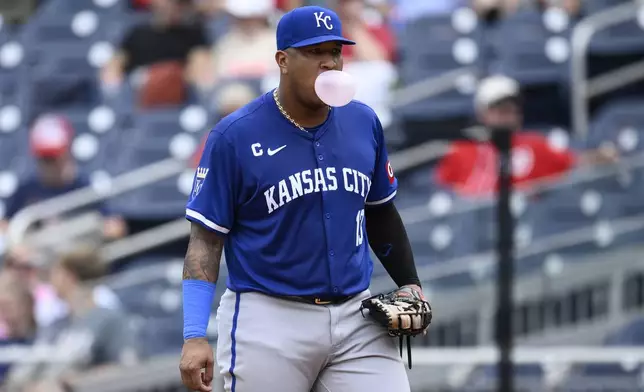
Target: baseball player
[[295, 192]]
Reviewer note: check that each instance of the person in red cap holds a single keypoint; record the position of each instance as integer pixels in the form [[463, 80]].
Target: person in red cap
[[56, 171], [470, 166]]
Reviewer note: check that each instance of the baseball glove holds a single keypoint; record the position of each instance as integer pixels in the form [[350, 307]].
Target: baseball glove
[[404, 312]]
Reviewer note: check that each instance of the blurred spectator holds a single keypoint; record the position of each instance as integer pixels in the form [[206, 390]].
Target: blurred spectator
[[375, 41], [287, 5], [209, 8], [383, 7], [17, 324], [17, 12], [213, 7], [405, 11], [492, 10], [371, 60], [572, 7], [57, 173], [230, 97], [27, 267], [31, 269], [470, 167], [139, 4], [247, 50], [168, 54], [90, 335], [233, 96]]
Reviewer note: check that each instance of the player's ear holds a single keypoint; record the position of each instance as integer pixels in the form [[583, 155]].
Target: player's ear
[[282, 61]]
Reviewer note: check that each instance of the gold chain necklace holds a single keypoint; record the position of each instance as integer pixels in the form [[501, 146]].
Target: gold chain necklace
[[289, 118], [286, 115]]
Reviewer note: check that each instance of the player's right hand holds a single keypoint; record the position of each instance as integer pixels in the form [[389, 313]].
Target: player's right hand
[[196, 366]]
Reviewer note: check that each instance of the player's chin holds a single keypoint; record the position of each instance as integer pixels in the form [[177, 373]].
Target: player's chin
[[315, 100], [316, 103]]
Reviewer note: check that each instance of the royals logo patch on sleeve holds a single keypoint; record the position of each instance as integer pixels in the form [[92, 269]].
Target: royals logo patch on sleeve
[[390, 173], [200, 176]]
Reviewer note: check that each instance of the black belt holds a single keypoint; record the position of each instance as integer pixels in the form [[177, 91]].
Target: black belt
[[319, 300]]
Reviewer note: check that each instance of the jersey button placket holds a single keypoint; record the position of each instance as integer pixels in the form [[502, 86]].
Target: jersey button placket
[[319, 154]]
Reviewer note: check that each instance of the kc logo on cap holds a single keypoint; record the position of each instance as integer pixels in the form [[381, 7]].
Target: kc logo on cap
[[311, 25], [319, 17]]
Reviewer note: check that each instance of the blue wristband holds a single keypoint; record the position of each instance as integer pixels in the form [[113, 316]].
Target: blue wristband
[[197, 303]]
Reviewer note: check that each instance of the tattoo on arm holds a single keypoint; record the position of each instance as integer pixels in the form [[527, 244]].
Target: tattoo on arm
[[203, 255]]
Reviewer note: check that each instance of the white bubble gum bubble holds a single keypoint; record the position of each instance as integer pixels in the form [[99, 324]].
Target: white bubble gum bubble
[[335, 88]]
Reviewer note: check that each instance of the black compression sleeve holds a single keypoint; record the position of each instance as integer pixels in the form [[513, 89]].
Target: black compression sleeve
[[388, 239]]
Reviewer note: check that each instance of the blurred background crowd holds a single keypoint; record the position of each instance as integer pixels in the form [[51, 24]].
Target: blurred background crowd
[[105, 104]]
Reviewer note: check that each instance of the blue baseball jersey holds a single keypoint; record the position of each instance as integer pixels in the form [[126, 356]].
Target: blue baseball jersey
[[290, 202]]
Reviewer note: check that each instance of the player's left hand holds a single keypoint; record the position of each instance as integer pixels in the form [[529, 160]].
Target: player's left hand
[[416, 288], [403, 311]]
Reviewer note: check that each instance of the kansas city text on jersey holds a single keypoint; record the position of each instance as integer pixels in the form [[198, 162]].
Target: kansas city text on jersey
[[313, 181]]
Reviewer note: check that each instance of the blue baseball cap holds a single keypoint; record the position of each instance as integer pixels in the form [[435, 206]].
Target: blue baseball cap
[[309, 25]]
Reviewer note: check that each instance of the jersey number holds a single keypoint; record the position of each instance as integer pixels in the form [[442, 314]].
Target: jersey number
[[359, 231]]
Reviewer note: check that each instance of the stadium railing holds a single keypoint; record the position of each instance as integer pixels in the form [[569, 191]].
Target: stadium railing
[[544, 295], [578, 176], [582, 88], [137, 178], [555, 361]]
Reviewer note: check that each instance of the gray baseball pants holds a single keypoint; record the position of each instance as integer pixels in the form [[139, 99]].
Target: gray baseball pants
[[268, 344]]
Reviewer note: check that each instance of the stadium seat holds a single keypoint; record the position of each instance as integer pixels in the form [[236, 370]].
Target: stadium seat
[[161, 335], [533, 48], [430, 46], [528, 377], [150, 287], [445, 237], [631, 334], [145, 298], [585, 212], [52, 9], [439, 43], [445, 106], [155, 136], [531, 51], [63, 74], [561, 210], [12, 63], [622, 39], [13, 166], [161, 201], [620, 122], [590, 7]]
